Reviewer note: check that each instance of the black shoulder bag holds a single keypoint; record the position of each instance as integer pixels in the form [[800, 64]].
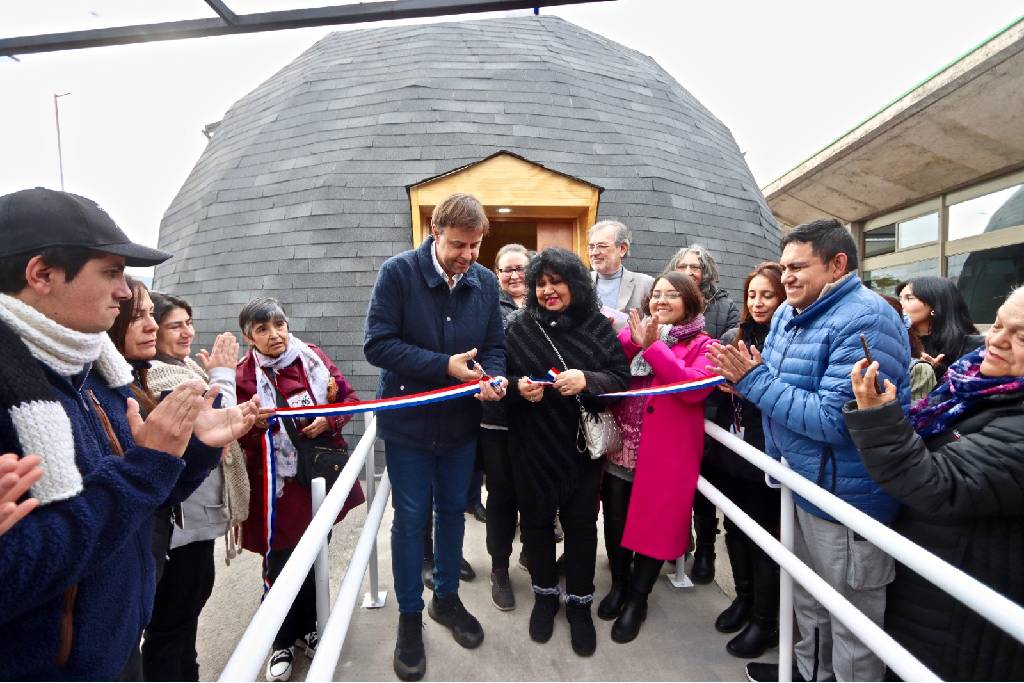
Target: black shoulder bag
[[319, 457]]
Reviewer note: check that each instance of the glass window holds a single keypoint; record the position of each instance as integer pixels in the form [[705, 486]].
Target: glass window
[[920, 230], [884, 280], [990, 212], [880, 240], [986, 277]]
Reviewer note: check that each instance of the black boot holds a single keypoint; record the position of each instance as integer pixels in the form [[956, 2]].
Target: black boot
[[736, 615], [704, 555], [410, 659], [542, 618], [763, 630], [646, 571], [611, 605], [582, 635]]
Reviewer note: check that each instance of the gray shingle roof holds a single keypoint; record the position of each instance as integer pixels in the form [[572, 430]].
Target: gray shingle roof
[[301, 193]]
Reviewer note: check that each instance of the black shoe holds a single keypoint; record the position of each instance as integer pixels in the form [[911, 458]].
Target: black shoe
[[703, 564], [466, 572], [450, 612], [478, 511], [410, 660], [769, 671], [759, 636], [581, 629], [736, 615], [501, 590], [611, 606], [427, 574], [542, 618], [634, 613]]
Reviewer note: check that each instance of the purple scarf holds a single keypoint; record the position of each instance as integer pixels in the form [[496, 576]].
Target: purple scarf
[[962, 388]]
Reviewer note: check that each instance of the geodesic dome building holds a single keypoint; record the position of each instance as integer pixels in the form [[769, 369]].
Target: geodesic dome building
[[332, 165]]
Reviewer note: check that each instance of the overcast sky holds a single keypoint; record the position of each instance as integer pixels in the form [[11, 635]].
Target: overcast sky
[[787, 78]]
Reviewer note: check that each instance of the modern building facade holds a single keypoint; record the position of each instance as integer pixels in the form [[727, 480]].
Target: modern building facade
[[334, 164], [934, 183]]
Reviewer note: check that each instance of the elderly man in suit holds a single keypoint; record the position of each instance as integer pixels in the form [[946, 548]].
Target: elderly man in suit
[[617, 288]]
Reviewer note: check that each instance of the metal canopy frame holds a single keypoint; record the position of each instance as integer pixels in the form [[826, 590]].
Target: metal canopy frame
[[228, 22]]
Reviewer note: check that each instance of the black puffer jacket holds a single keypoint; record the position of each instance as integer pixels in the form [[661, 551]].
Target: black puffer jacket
[[963, 498], [720, 314]]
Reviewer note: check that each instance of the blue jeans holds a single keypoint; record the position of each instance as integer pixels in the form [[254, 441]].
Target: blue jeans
[[414, 472]]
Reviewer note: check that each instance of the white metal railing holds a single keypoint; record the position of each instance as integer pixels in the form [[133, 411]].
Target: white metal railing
[[998, 609], [247, 659]]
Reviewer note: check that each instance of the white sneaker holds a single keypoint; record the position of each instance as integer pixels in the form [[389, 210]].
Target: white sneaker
[[311, 640], [279, 668]]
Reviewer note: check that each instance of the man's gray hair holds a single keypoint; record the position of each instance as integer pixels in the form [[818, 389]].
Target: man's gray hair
[[708, 267], [622, 234]]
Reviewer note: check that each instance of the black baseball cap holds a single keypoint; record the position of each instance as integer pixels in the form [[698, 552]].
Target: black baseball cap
[[32, 220]]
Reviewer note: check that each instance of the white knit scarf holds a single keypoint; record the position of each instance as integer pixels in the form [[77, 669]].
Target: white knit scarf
[[42, 426], [318, 377]]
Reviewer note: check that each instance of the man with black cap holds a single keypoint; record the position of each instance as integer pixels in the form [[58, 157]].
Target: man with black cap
[[78, 573]]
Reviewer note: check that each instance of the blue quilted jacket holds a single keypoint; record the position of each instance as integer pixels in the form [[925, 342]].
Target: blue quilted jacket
[[805, 381]]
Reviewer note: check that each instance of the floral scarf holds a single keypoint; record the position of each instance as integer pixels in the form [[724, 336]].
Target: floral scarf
[[962, 388]]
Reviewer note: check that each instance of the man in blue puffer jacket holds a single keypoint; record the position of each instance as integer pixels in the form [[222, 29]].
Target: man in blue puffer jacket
[[800, 385]]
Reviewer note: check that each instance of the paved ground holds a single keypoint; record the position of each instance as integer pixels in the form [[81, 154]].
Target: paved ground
[[678, 641]]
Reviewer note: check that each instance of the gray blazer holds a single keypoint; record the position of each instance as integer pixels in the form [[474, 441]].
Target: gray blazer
[[634, 287]]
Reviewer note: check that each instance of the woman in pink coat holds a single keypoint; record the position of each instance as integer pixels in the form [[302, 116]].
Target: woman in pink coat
[[648, 488]]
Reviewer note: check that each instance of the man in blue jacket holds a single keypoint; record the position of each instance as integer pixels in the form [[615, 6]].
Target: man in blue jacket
[[434, 321], [77, 574], [801, 384]]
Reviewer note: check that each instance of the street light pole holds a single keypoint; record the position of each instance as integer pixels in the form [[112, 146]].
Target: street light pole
[[60, 154]]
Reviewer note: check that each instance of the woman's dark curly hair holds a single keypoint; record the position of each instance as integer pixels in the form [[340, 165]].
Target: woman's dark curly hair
[[567, 266]]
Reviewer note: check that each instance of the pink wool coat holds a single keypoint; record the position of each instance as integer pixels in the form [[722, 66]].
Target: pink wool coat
[[671, 446]]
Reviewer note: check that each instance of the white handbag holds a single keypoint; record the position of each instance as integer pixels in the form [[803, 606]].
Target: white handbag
[[595, 435]]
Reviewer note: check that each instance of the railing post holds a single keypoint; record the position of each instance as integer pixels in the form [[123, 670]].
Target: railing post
[[321, 569], [786, 530], [375, 599]]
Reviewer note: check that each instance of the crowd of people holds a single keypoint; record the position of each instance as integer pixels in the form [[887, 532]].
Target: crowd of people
[[125, 456]]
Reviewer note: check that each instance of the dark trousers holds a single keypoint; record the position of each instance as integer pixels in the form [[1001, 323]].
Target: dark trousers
[[169, 648], [578, 512], [476, 484], [502, 508], [301, 618], [615, 493], [762, 503]]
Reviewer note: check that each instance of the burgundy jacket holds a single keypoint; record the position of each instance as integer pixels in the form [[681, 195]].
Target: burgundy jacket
[[294, 507]]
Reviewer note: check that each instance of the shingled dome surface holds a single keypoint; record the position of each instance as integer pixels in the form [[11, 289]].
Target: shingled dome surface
[[302, 191]]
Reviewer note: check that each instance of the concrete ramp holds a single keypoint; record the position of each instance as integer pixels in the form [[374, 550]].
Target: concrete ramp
[[678, 641]]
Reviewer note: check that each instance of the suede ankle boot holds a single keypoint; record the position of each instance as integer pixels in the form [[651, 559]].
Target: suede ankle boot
[[542, 618], [582, 634]]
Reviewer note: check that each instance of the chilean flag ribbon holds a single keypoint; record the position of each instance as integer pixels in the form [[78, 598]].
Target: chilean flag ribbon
[[423, 398]]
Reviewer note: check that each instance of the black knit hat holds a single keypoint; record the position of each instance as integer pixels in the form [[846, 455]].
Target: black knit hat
[[32, 220]]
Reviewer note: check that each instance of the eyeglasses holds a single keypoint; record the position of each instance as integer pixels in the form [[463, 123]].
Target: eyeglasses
[[512, 270], [668, 296], [599, 246], [690, 267]]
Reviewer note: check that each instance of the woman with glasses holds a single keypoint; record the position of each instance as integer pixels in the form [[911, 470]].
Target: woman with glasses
[[935, 309], [755, 575], [492, 448], [720, 314], [648, 486]]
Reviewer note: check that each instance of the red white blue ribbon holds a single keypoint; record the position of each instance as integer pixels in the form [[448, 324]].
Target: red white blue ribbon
[[410, 400]]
